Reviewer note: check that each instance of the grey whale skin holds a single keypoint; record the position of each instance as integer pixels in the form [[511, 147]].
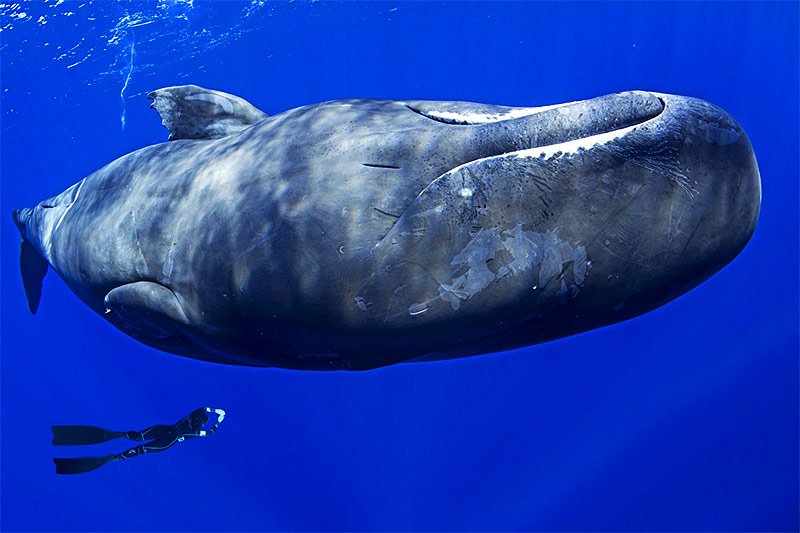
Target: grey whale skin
[[359, 233]]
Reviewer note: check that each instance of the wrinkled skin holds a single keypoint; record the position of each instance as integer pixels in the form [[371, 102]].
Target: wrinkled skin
[[360, 233]]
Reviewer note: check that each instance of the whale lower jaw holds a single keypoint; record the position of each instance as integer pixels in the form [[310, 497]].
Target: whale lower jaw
[[472, 119], [547, 131], [565, 148], [560, 149]]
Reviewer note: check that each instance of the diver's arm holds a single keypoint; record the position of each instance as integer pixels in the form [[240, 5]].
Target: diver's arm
[[210, 431]]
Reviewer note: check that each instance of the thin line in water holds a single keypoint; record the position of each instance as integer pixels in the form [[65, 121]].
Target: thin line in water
[[127, 79]]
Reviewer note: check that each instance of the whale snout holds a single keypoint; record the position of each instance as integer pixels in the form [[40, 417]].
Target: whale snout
[[739, 200], [690, 196], [716, 169]]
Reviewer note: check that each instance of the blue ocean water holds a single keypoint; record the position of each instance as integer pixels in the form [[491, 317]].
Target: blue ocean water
[[683, 419]]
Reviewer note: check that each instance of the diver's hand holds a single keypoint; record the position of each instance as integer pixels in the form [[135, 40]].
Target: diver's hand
[[210, 431], [219, 412]]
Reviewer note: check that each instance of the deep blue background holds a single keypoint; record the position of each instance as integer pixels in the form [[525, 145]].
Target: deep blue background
[[684, 419]]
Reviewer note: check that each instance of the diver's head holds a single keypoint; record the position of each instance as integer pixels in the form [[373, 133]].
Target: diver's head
[[198, 419]]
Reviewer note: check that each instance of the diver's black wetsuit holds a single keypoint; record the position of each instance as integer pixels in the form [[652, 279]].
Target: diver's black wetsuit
[[161, 437]]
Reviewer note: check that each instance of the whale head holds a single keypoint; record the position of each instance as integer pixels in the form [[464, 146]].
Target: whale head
[[580, 215]]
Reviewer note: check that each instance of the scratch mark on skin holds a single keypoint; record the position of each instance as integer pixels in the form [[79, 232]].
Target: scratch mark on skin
[[378, 165], [736, 190], [389, 314], [64, 214], [557, 277], [625, 259], [691, 235], [659, 159], [169, 263], [615, 214], [325, 237], [263, 238], [138, 245], [381, 211]]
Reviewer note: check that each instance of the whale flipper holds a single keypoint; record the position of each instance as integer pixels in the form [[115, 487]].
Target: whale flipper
[[145, 310], [33, 268], [192, 112]]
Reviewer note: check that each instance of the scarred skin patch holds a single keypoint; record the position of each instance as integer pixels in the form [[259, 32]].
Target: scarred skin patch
[[494, 254]]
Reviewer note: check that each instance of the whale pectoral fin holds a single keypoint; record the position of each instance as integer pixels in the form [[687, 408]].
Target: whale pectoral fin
[[192, 112], [145, 310], [33, 268], [152, 314]]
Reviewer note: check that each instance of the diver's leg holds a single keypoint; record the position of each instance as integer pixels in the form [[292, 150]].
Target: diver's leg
[[79, 465], [142, 449], [76, 435], [85, 464], [133, 452]]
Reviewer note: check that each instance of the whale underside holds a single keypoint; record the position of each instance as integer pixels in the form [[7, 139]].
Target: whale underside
[[359, 233]]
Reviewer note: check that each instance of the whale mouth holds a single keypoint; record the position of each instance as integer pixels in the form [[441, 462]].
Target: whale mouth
[[549, 130], [471, 117], [572, 146], [635, 103], [494, 133], [585, 125]]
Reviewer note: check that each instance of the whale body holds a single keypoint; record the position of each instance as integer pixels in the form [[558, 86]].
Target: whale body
[[355, 234]]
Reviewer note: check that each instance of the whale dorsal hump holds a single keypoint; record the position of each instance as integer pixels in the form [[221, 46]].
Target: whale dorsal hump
[[191, 112]]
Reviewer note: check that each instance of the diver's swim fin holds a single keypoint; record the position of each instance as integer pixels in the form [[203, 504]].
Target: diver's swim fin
[[79, 465], [76, 435]]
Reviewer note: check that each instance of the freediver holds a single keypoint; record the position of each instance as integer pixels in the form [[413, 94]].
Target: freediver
[[160, 436]]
